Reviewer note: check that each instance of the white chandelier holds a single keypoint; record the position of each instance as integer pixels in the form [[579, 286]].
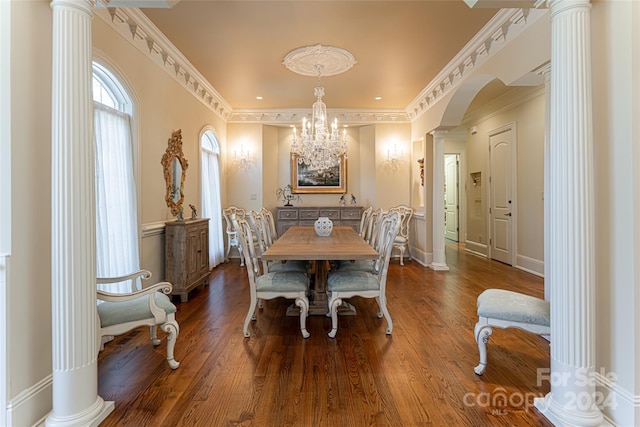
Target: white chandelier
[[318, 147]]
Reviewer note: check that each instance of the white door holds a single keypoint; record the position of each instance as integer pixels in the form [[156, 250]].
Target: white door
[[500, 213], [451, 204]]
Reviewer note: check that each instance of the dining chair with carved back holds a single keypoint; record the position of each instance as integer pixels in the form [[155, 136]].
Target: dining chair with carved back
[[343, 285], [402, 240], [264, 285], [232, 236], [264, 238]]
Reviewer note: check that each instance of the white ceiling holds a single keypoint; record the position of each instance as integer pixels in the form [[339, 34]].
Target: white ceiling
[[399, 46]]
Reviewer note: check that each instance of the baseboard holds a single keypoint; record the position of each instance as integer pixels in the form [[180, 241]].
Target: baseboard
[[476, 248], [530, 265], [619, 406], [32, 405]]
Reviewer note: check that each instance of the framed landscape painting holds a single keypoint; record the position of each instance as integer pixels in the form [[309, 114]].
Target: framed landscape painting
[[305, 179]]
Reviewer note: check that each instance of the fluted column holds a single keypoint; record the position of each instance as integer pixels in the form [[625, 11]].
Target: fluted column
[[439, 261], [74, 324], [570, 228], [545, 71]]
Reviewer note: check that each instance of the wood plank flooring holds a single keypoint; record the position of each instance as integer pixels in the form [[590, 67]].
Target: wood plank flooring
[[422, 375]]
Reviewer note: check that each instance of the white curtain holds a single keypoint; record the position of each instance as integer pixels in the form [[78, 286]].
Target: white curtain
[[211, 204], [116, 208]]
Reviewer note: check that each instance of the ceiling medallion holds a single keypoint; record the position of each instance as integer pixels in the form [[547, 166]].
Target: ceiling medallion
[[319, 146], [332, 60]]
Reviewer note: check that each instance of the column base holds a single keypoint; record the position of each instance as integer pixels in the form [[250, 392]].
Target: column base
[[92, 417], [439, 266], [560, 416]]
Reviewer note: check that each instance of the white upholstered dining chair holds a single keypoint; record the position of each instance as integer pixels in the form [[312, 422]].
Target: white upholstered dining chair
[[141, 306], [264, 285], [342, 285], [402, 240]]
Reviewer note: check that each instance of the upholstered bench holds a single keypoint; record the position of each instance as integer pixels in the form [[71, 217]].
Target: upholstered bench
[[506, 309]]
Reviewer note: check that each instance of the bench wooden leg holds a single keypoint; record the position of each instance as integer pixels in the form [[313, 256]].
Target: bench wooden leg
[[482, 332]]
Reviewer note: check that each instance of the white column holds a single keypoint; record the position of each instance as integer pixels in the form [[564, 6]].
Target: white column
[[545, 71], [439, 259], [74, 324], [570, 227]]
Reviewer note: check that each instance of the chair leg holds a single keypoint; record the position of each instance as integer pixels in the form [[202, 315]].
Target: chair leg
[[226, 255], [250, 315], [171, 327], [303, 303], [383, 308], [153, 335], [401, 254], [334, 303], [241, 257], [482, 331]]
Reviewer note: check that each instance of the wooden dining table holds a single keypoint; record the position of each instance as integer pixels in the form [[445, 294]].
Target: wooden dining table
[[302, 243]]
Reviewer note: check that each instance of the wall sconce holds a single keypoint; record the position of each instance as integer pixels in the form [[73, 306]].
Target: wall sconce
[[242, 158], [394, 157]]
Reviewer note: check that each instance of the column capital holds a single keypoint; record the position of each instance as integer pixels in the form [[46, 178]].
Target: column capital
[[82, 5]]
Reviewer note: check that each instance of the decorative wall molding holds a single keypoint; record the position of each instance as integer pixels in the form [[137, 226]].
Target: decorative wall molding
[[153, 228], [135, 27], [294, 116], [506, 25], [30, 406]]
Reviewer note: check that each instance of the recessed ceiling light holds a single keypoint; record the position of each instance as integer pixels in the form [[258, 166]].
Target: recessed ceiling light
[[259, 98], [378, 98]]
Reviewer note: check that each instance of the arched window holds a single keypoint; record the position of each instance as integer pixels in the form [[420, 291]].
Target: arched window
[[211, 204], [116, 207]]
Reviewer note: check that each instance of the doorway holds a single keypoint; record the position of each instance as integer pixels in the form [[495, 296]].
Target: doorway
[[502, 197], [451, 197]]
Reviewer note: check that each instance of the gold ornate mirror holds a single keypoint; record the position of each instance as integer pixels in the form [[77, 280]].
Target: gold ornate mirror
[[175, 168]]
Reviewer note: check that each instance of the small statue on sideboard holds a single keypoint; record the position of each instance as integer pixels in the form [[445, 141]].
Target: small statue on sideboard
[[353, 199], [194, 212], [180, 213], [342, 200]]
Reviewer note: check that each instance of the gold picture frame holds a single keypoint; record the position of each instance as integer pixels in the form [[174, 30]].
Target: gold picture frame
[[305, 180]]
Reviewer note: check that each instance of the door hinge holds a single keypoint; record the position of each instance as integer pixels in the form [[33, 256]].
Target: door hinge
[[489, 211], [489, 242]]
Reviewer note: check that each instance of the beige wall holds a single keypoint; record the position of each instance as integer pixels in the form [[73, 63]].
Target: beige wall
[[29, 272], [163, 105], [616, 112], [528, 117]]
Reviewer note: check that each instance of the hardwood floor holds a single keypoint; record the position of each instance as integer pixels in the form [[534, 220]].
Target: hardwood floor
[[421, 375]]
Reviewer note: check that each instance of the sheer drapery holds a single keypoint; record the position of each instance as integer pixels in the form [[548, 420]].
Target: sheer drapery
[[211, 204], [116, 209]]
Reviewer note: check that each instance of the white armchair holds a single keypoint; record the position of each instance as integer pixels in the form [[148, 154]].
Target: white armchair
[[121, 312]]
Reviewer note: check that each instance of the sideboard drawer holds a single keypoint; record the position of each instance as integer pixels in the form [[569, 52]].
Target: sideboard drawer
[[308, 214], [287, 213], [351, 213], [333, 214]]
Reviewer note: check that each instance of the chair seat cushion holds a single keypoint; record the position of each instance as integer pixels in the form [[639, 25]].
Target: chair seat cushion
[[514, 307], [290, 281], [114, 313], [357, 265], [346, 281], [400, 239], [290, 265]]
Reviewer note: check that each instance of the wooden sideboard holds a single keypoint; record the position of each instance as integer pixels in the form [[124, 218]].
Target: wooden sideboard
[[187, 255], [287, 216]]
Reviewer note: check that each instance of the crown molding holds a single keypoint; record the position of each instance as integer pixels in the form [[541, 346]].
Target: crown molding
[[294, 116], [506, 25], [134, 26]]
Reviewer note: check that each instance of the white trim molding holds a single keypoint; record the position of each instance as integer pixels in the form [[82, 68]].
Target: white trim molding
[[506, 25], [530, 265], [34, 400], [134, 26]]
